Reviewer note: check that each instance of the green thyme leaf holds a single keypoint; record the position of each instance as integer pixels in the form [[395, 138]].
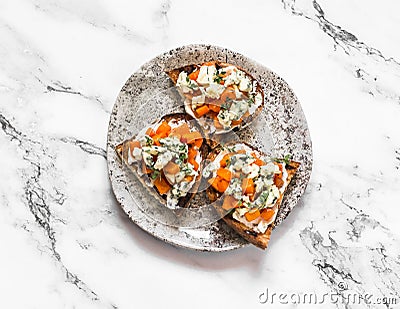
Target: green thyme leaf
[[149, 140], [250, 101], [217, 79], [182, 156], [155, 174], [286, 159]]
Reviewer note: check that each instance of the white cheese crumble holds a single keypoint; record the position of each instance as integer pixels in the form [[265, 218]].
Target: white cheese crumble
[[257, 103], [185, 83], [233, 78], [206, 75], [235, 188], [148, 158], [245, 84], [137, 153], [251, 169], [209, 169], [225, 118], [162, 160]]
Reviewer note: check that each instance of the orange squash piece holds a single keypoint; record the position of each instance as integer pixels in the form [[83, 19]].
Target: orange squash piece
[[237, 122], [248, 186], [163, 129], [267, 213], [278, 181], [219, 184], [194, 75], [251, 215], [225, 159], [194, 163], [189, 178], [192, 153], [162, 185], [213, 107], [201, 111], [198, 142], [156, 139], [224, 174], [150, 132], [222, 185], [214, 182], [258, 161]]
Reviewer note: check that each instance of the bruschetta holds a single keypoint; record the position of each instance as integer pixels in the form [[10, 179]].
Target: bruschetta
[[167, 157], [247, 189], [221, 96]]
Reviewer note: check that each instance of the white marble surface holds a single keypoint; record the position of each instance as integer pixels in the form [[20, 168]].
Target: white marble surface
[[66, 243]]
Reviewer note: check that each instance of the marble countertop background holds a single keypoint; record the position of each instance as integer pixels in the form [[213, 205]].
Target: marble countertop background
[[65, 241]]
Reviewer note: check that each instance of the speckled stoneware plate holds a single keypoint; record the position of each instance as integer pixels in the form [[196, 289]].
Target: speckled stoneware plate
[[280, 129]]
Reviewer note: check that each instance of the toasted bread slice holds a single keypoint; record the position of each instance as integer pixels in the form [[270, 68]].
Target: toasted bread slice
[[174, 150], [229, 105], [248, 229]]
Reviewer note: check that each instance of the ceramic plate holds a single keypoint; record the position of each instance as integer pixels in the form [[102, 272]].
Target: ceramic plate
[[280, 129]]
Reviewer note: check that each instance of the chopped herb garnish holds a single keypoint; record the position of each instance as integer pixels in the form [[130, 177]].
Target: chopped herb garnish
[[192, 86], [182, 156], [149, 140], [186, 169], [217, 79], [263, 198], [155, 174], [286, 159], [224, 106]]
